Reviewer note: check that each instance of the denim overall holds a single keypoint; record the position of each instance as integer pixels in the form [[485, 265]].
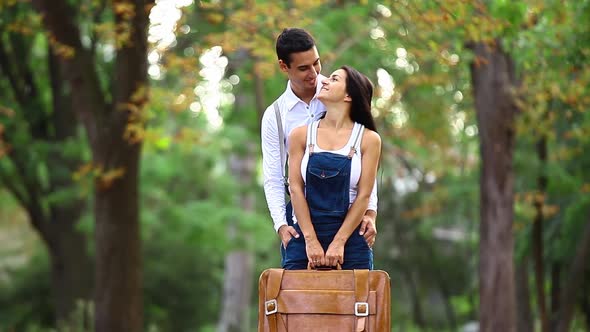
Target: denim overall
[[327, 194]]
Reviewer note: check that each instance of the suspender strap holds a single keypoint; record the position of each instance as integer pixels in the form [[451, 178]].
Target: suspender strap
[[273, 287], [356, 143], [311, 137], [359, 137], [281, 141], [361, 293]]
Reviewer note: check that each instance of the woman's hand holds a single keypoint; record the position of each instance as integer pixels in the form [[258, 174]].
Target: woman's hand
[[335, 253], [315, 253]]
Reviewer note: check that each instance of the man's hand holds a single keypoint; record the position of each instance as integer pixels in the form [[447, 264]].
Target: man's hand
[[286, 233], [368, 229]]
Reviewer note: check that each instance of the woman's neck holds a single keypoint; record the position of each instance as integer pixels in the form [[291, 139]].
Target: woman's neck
[[337, 116]]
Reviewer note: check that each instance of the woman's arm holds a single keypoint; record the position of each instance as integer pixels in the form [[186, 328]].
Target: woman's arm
[[371, 153], [297, 140]]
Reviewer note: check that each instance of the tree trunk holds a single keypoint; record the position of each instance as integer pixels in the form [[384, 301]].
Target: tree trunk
[[574, 281], [523, 298], [237, 287], [239, 263], [119, 297], [555, 293], [493, 83], [417, 312], [450, 313], [537, 235], [71, 266], [118, 250], [114, 133]]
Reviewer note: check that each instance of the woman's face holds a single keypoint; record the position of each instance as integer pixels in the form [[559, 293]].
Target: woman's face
[[334, 88]]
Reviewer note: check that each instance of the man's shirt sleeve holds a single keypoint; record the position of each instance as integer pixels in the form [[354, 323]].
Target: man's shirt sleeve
[[373, 198], [274, 188]]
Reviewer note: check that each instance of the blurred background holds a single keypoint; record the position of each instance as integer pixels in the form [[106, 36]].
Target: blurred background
[[130, 165]]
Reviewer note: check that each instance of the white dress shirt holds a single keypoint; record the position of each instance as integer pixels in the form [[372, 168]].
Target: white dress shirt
[[294, 113]]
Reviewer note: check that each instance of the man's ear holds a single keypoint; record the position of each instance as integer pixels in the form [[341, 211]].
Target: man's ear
[[283, 66]]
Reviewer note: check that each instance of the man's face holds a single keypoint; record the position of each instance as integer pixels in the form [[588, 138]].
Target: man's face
[[303, 70]]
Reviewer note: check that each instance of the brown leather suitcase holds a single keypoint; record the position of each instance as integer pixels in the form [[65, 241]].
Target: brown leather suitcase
[[324, 301]]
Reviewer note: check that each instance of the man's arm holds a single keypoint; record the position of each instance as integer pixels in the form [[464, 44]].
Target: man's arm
[[368, 227], [274, 189]]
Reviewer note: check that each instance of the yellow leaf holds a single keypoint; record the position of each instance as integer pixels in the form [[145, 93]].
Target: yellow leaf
[[214, 18], [124, 9], [134, 133], [82, 171], [105, 181]]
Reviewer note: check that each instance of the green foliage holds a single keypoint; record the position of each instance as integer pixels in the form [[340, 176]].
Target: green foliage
[[511, 11], [25, 298], [574, 220], [182, 285]]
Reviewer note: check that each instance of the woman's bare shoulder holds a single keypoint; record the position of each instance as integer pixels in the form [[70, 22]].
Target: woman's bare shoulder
[[371, 138], [298, 134]]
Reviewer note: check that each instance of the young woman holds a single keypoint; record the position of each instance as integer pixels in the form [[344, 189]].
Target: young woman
[[332, 168]]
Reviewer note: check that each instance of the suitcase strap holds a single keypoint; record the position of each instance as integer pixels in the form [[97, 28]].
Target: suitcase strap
[[272, 292], [361, 293]]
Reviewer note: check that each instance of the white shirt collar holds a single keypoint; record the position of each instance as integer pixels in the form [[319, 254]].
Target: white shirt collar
[[291, 99]]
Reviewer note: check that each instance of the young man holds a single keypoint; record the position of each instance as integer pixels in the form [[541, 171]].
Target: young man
[[299, 59]]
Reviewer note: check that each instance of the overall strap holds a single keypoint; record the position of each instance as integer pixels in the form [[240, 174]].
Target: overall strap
[[357, 135], [281, 141], [312, 130]]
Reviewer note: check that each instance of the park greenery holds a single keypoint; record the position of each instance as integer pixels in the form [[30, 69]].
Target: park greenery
[[130, 166]]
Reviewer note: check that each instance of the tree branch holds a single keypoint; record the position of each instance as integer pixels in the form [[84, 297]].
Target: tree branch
[[58, 19], [63, 117], [7, 69], [30, 103], [26, 196], [78, 66]]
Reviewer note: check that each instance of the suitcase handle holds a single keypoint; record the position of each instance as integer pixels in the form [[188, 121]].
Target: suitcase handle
[[324, 268]]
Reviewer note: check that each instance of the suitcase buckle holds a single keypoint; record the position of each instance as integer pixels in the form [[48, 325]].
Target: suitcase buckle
[[270, 307], [361, 309]]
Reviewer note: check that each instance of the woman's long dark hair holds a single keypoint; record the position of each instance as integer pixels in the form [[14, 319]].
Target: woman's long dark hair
[[360, 90]]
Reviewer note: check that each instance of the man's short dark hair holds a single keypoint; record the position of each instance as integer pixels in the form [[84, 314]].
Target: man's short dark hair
[[293, 40]]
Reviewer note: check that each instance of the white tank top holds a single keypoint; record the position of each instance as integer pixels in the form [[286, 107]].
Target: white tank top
[[355, 167]]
